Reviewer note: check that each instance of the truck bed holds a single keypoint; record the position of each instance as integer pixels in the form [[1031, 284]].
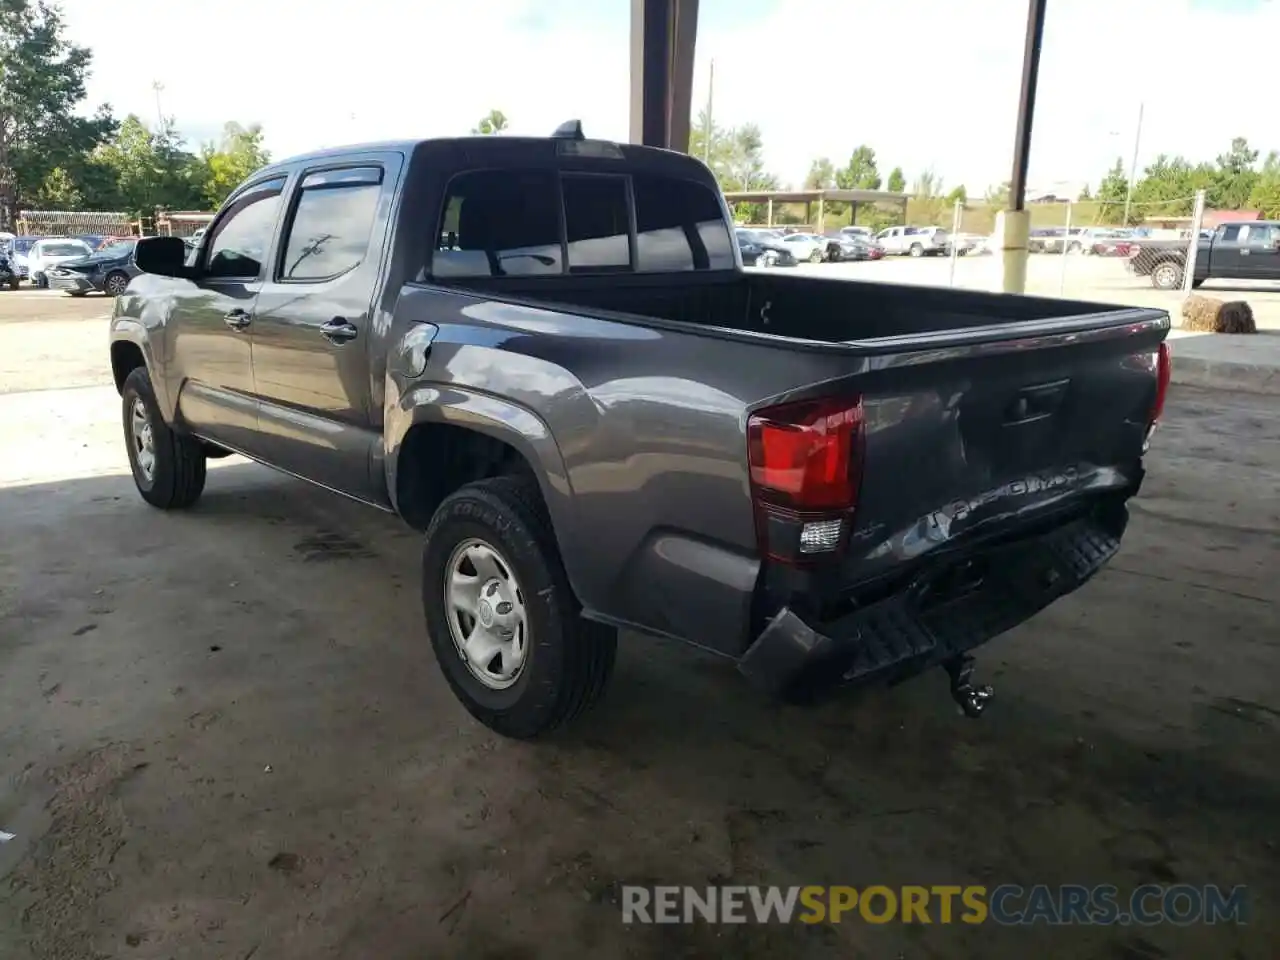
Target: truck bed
[[799, 307], [985, 414]]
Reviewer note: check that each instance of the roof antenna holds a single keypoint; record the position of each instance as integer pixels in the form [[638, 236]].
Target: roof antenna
[[569, 130]]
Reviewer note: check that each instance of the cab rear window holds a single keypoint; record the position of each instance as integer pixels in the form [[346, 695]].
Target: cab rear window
[[498, 223]]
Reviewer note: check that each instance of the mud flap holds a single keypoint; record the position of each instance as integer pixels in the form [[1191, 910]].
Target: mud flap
[[784, 648]]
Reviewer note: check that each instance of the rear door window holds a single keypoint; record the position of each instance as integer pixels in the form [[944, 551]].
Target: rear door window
[[500, 223]]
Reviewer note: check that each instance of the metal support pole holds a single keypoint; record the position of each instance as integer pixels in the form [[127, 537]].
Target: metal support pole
[[769, 221], [1193, 249], [1027, 103], [956, 219], [1133, 167], [710, 128], [1066, 244], [663, 36]]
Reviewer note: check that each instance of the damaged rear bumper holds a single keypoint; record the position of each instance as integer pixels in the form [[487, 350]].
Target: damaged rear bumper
[[948, 610]]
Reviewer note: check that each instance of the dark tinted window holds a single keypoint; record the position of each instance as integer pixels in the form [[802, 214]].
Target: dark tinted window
[[1231, 233], [239, 241], [499, 223], [597, 223], [679, 226], [329, 234]]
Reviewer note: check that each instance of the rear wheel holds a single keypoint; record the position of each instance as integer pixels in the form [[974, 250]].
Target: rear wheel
[[502, 619], [168, 467], [1166, 276]]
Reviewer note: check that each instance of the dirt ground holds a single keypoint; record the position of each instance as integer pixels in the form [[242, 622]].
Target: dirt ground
[[222, 733]]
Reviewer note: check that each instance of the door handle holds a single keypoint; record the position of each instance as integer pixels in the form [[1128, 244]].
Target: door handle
[[238, 319], [339, 330]]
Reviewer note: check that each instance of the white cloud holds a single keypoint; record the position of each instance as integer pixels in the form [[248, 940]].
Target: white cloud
[[928, 83]]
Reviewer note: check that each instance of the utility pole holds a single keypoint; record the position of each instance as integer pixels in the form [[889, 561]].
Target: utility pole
[[706, 136], [1133, 166], [157, 86]]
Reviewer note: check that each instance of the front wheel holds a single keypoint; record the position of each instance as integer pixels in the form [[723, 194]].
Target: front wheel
[[502, 619], [766, 260], [816, 256], [168, 467], [115, 284], [917, 250], [1166, 276]]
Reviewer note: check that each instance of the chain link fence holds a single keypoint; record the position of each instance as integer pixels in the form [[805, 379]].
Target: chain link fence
[[101, 224]]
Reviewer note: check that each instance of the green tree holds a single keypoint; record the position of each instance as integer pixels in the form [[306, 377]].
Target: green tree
[[42, 78], [229, 163], [1111, 194], [494, 122], [958, 194], [1266, 191], [821, 175], [997, 195], [860, 172], [927, 186], [58, 192], [897, 181], [151, 170], [1232, 183]]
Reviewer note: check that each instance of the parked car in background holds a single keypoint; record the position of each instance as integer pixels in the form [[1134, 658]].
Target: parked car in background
[[848, 246], [767, 250], [864, 233], [913, 241], [965, 243], [20, 249], [806, 246], [1101, 242], [8, 275], [1243, 250], [50, 252], [107, 270]]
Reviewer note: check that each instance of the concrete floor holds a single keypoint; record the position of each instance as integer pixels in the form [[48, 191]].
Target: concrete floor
[[222, 733]]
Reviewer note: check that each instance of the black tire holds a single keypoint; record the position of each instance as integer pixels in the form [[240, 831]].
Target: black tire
[[13, 282], [178, 475], [916, 250], [569, 659], [116, 277], [1166, 275]]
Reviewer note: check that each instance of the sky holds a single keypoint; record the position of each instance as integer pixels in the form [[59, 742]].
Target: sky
[[929, 84]]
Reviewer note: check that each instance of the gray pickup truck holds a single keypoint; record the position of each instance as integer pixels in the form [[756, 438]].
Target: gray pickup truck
[[545, 354], [1240, 250]]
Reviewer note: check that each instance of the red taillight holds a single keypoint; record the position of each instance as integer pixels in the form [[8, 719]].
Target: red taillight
[[806, 469], [1164, 372]]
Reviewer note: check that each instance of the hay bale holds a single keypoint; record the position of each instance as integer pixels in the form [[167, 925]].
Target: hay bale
[[1207, 315]]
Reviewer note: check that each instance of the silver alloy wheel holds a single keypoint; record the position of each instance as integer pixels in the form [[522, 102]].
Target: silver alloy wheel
[[486, 614], [1166, 276], [117, 283], [144, 443]]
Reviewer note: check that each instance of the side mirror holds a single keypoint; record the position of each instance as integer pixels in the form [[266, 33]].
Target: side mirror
[[163, 256]]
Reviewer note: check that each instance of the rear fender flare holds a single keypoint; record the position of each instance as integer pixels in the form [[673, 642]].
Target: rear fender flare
[[503, 420]]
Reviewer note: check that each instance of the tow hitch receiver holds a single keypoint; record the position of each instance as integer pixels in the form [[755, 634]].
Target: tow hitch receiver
[[971, 699]]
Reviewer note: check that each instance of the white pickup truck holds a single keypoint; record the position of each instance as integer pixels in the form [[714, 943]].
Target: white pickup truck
[[913, 241]]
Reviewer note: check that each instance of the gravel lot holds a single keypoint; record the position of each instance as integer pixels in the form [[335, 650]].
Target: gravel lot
[[222, 733]]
